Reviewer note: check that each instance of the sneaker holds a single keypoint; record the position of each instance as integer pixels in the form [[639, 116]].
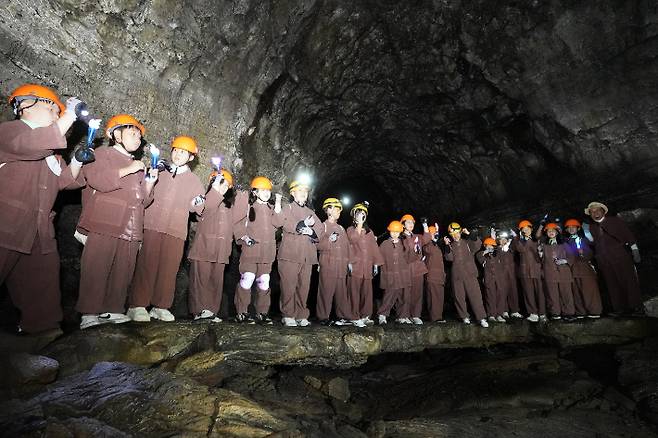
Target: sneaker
[[417, 320], [505, 315], [570, 319], [484, 323], [406, 321], [594, 316], [289, 322], [492, 318], [206, 315], [244, 318], [466, 320], [161, 314], [359, 323], [303, 322], [533, 317], [542, 318], [250, 319], [90, 321], [400, 321], [556, 317], [382, 319], [500, 319], [114, 318], [328, 322], [440, 321], [580, 317], [342, 322], [367, 321], [264, 319], [515, 315], [138, 314]]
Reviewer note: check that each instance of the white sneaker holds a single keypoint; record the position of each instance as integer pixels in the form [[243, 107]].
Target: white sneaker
[[407, 321], [556, 317], [516, 315], [466, 320], [289, 322], [533, 317], [303, 322], [207, 315], [359, 323], [542, 318], [90, 321], [505, 315], [594, 316], [342, 322], [367, 321], [113, 318], [382, 319], [484, 323], [417, 321], [138, 314], [161, 314], [492, 318], [500, 319]]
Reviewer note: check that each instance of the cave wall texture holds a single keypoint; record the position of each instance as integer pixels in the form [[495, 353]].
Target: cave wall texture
[[440, 107]]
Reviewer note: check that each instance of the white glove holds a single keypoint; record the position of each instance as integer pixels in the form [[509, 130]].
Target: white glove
[[560, 262], [350, 268], [375, 270], [71, 103], [309, 221], [307, 231], [94, 123], [198, 200], [333, 237]]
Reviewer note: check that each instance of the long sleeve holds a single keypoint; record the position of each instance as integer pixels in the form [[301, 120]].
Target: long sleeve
[[19, 142], [65, 181], [101, 175]]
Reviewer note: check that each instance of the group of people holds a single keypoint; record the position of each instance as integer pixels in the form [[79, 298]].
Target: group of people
[[134, 224]]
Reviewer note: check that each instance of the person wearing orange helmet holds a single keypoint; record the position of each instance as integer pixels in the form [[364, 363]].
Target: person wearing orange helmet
[[436, 276], [31, 175], [495, 296], [210, 251], [395, 278], [255, 232], [556, 269], [586, 294], [177, 193], [507, 277], [529, 272], [118, 190], [414, 243]]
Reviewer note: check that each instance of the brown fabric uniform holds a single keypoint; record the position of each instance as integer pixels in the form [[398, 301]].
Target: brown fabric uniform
[[257, 258], [114, 219], [418, 271], [559, 295], [507, 279], [495, 297], [396, 278], [586, 294], [333, 259], [364, 253], [29, 260], [435, 280], [165, 232], [611, 238], [210, 251], [529, 273], [464, 277], [297, 255]]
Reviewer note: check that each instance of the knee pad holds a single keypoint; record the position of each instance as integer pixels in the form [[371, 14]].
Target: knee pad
[[263, 282], [247, 280]]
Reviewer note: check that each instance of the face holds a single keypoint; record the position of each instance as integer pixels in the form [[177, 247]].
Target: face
[[43, 112], [394, 234], [503, 241], [180, 157], [551, 233], [526, 231], [263, 195], [130, 137], [360, 216], [572, 230], [334, 212], [409, 226], [300, 195], [597, 213], [456, 234], [489, 247]]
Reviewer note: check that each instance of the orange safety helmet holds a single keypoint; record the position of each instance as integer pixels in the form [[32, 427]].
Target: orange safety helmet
[[261, 182], [525, 223], [34, 91], [572, 223], [185, 143], [489, 241], [120, 120], [407, 217], [395, 226], [432, 229], [225, 174], [551, 226]]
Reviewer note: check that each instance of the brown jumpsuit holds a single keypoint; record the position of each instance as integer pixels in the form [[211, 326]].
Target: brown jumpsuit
[[364, 254], [296, 257], [508, 279], [495, 297], [414, 244], [395, 278], [165, 232], [29, 261], [334, 257], [529, 273], [435, 280], [464, 277], [586, 295], [557, 279], [114, 220], [611, 238]]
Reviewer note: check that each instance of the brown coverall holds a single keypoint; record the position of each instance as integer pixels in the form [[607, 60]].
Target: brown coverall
[[586, 295], [507, 279], [611, 238], [435, 280], [557, 279], [256, 259], [210, 251], [296, 257], [364, 254], [464, 276], [414, 244], [334, 257], [114, 220], [495, 297], [165, 232], [396, 278], [29, 261], [529, 273]]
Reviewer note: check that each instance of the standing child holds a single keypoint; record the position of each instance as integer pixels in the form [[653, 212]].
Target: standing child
[[114, 221], [529, 272], [414, 244], [255, 234], [177, 194], [494, 295], [436, 276], [587, 298], [556, 259], [396, 276], [507, 276]]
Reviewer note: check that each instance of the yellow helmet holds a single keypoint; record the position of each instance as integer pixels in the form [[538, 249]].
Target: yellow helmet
[[363, 206], [261, 182], [331, 202], [185, 143], [407, 217], [454, 226], [295, 185]]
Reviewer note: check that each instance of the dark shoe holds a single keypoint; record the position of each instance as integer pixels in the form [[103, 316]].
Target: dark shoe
[[326, 322], [241, 317], [263, 318], [570, 319]]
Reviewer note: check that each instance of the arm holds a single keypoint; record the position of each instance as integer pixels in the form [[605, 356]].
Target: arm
[[100, 174], [196, 192], [29, 144], [72, 176]]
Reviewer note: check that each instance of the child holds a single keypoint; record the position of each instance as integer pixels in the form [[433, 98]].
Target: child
[[114, 221], [396, 276], [177, 194], [494, 295], [586, 294], [210, 251], [30, 178], [334, 250], [464, 274], [255, 234], [507, 277], [414, 244], [365, 260], [556, 261], [529, 272], [436, 276]]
